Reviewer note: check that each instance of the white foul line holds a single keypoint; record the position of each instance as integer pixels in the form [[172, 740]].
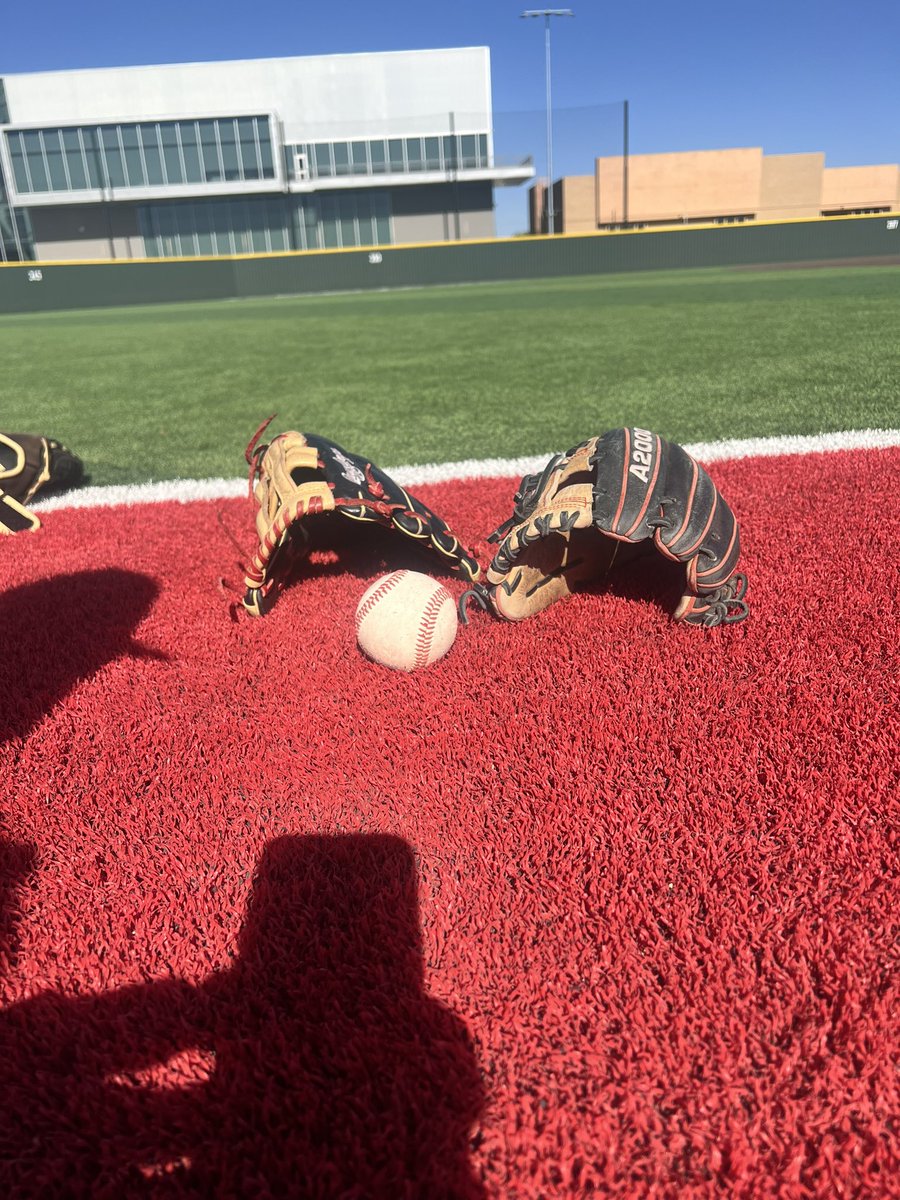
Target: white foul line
[[187, 490]]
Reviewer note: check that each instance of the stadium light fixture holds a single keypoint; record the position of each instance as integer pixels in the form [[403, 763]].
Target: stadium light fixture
[[547, 13]]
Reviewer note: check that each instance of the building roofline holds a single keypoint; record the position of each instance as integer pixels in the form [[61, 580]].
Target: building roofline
[[221, 62]]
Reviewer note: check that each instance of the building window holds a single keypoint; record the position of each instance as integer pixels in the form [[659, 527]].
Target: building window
[[396, 156], [265, 224], [16, 240], [149, 154]]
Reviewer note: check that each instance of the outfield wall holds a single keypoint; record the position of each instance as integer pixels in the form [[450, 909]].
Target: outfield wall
[[51, 286]]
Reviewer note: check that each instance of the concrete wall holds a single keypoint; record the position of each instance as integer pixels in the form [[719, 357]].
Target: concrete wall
[[443, 213], [847, 188], [791, 186], [87, 231]]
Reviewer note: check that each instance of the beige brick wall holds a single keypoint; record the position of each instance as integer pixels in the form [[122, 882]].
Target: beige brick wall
[[676, 187], [711, 184], [861, 187], [791, 186], [579, 210]]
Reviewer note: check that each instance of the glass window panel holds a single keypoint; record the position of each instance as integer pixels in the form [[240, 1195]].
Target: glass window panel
[[55, 165], [74, 159], [341, 158], [228, 142], [186, 229], [190, 152], [203, 226], [296, 215], [149, 135], [363, 219], [264, 137], [90, 139], [359, 158], [209, 148], [221, 225], [328, 221], [17, 153], [414, 156], [168, 134], [256, 212], [112, 156], [250, 166], [133, 163], [308, 218], [395, 153], [322, 152], [276, 216], [379, 158], [35, 157], [381, 210], [482, 150], [166, 230], [432, 154], [347, 220], [329, 233], [468, 150], [451, 158]]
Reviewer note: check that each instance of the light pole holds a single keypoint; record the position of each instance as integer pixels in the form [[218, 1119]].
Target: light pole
[[547, 13]]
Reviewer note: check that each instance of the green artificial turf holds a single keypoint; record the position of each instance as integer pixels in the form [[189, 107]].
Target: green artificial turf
[[466, 372]]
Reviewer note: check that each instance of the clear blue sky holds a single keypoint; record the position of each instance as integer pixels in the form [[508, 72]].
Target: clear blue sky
[[791, 76]]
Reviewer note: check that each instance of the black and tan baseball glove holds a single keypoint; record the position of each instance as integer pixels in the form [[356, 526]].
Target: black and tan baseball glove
[[604, 503], [299, 480], [31, 465]]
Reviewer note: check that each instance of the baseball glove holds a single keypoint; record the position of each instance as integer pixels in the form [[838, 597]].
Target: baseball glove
[[29, 465], [608, 501], [299, 479]]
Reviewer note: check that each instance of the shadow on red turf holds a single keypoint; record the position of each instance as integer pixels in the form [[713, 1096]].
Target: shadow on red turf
[[325, 1068], [17, 861], [61, 630], [644, 577]]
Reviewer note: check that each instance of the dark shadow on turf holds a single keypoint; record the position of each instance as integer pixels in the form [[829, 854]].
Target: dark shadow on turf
[[329, 1070], [61, 630], [16, 864]]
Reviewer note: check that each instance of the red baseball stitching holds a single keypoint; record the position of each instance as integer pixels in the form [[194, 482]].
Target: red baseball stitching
[[427, 626], [380, 592]]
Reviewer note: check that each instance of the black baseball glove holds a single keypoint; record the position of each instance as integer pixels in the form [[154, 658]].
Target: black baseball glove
[[31, 465], [605, 502]]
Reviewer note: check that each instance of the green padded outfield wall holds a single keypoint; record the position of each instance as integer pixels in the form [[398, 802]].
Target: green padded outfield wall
[[48, 287]]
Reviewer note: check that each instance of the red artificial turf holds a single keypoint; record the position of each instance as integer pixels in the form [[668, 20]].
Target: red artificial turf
[[596, 905]]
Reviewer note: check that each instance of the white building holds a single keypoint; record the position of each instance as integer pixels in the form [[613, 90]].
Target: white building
[[260, 155]]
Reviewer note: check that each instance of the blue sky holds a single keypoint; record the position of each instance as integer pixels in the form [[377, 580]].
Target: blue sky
[[790, 77]]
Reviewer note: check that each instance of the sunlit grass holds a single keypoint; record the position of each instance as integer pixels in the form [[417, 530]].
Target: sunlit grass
[[450, 373]]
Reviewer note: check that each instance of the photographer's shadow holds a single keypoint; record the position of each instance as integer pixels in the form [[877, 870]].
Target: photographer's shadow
[[61, 630], [329, 1070]]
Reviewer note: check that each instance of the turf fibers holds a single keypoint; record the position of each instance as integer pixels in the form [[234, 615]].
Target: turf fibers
[[436, 375], [596, 906]]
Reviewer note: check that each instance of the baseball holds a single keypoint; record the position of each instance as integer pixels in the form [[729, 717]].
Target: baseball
[[406, 620]]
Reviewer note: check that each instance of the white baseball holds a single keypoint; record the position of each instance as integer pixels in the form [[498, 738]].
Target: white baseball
[[406, 620]]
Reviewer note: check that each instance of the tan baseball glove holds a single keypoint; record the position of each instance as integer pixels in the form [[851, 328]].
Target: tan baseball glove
[[301, 478]]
